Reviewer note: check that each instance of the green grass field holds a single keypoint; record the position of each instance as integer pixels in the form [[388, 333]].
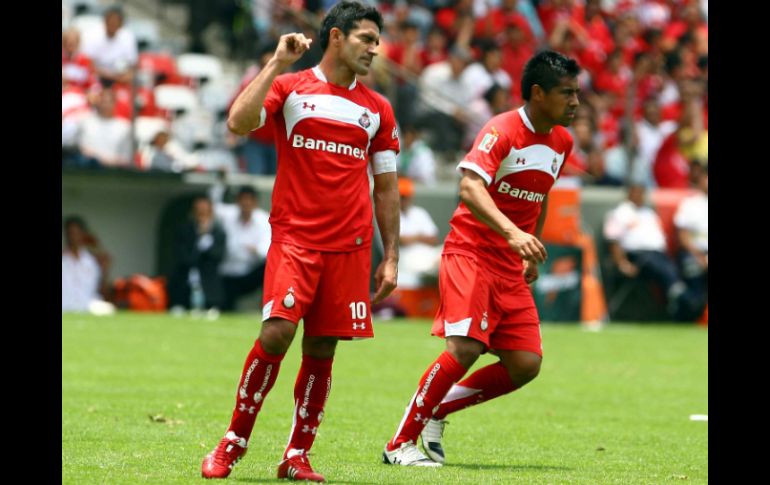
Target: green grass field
[[610, 407]]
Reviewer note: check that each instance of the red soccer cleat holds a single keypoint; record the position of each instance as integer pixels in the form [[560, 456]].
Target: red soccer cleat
[[219, 463], [296, 466]]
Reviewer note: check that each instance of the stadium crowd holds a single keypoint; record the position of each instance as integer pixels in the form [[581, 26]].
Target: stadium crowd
[[130, 102], [446, 66]]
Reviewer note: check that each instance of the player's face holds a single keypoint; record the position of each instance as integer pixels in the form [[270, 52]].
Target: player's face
[[561, 102], [358, 50]]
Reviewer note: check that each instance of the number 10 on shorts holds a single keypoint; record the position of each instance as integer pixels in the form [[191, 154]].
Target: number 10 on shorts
[[358, 312]]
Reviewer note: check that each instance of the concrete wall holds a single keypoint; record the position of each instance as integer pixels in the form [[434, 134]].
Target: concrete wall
[[124, 209]]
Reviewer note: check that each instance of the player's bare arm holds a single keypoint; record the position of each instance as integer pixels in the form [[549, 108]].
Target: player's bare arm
[[386, 209], [246, 112], [474, 194]]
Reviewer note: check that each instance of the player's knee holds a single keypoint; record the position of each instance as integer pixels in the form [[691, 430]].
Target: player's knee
[[276, 336], [319, 347], [465, 350], [525, 369]]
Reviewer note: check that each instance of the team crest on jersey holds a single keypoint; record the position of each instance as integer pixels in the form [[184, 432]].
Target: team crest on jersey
[[364, 120], [288, 300], [489, 141], [394, 133], [554, 165], [484, 323]]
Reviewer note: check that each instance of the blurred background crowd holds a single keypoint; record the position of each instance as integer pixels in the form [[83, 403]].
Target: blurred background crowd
[[146, 85]]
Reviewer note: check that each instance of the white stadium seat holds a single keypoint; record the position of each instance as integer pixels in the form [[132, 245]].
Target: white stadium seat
[[174, 97], [147, 127], [198, 66]]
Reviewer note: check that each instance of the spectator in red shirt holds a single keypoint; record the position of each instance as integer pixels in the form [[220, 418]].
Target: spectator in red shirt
[[456, 20], [435, 49], [76, 67], [614, 77], [687, 144], [516, 49], [689, 21], [492, 24], [406, 50]]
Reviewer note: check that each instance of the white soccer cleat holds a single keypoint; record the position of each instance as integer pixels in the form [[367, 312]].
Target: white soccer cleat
[[407, 455], [431, 436]]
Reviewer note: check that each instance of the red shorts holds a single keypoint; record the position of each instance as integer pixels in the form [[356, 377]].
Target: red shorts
[[329, 290], [475, 303]]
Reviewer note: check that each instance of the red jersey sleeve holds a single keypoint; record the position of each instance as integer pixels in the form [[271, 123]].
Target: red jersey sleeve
[[385, 144], [567, 153], [386, 137], [277, 94], [489, 150]]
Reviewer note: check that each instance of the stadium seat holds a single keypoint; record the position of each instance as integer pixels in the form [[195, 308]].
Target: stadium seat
[[146, 33], [199, 66], [80, 7], [160, 64], [175, 98], [147, 127], [91, 28], [216, 96]]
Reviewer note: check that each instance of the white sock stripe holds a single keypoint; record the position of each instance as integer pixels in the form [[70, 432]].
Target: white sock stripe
[[293, 421], [459, 392], [406, 414]]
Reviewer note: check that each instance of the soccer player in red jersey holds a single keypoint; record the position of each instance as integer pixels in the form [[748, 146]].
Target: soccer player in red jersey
[[490, 256], [329, 130]]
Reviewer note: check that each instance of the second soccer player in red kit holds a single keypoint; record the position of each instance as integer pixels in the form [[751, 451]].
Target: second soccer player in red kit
[[329, 129], [490, 256]]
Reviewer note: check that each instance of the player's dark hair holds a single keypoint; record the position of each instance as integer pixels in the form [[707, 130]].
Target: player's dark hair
[[546, 69], [345, 16]]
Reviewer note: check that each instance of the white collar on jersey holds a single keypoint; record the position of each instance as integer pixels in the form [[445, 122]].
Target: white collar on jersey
[[526, 121], [320, 75]]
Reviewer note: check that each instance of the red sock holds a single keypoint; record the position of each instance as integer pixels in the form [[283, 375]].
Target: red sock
[[257, 378], [434, 385], [486, 383], [314, 382]]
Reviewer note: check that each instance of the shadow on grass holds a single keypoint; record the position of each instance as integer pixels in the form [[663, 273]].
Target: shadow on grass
[[467, 466], [472, 466], [276, 480]]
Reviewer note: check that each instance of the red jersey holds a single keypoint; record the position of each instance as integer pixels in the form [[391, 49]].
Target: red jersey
[[326, 136], [519, 166]]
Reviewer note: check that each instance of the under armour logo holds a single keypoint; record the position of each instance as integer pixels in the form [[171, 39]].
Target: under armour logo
[[419, 417], [361, 326], [307, 429], [242, 407], [520, 161], [306, 106]]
